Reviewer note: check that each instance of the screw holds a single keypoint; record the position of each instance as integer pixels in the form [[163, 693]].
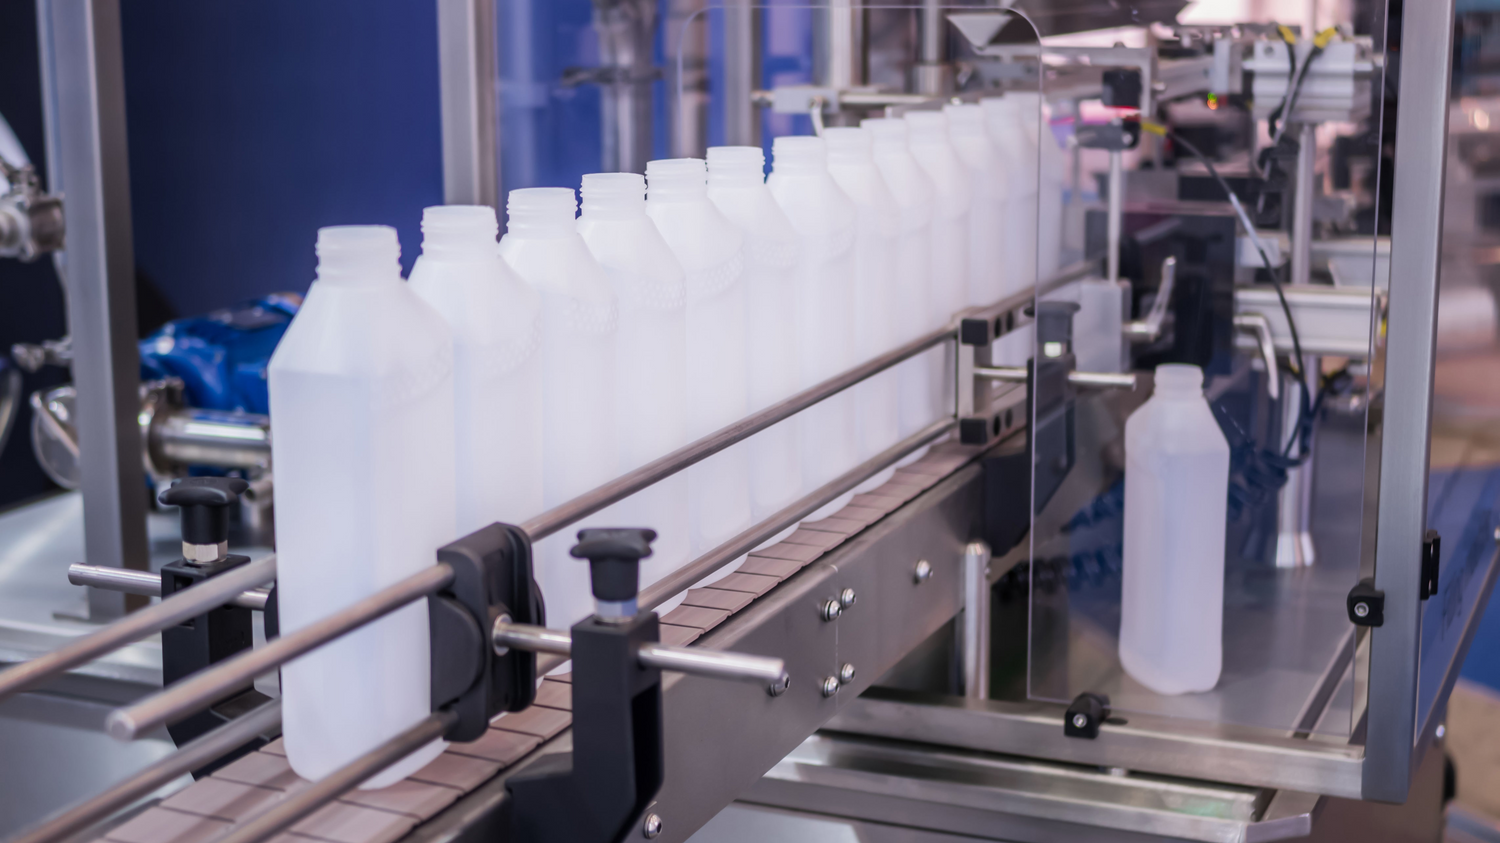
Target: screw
[[830, 686], [831, 610], [846, 674], [847, 598], [1080, 721], [923, 573], [1361, 610], [651, 828], [779, 687]]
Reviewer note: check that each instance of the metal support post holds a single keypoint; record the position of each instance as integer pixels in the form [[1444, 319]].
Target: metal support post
[[468, 78], [81, 49], [1302, 210], [1294, 542], [1115, 214], [839, 44], [626, 30], [933, 73], [741, 72], [976, 621]]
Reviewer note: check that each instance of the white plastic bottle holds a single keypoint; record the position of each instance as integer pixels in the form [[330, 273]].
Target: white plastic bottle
[[1176, 492], [737, 187], [651, 414], [851, 162], [988, 281], [950, 222], [580, 444], [825, 219], [361, 393], [497, 374], [1019, 157], [1053, 164], [916, 313], [711, 251]]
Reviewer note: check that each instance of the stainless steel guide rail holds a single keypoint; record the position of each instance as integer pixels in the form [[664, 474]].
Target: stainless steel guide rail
[[148, 584]]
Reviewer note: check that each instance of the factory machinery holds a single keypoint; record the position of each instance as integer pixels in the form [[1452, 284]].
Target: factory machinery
[[937, 660]]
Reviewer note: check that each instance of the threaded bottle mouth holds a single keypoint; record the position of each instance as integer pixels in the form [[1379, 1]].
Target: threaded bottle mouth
[[886, 133], [848, 144], [459, 231], [358, 255], [614, 195], [798, 153], [1178, 380], [541, 211], [736, 166], [676, 179], [964, 118], [927, 125]]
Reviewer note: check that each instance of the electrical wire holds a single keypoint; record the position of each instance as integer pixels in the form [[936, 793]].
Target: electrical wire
[[1305, 409]]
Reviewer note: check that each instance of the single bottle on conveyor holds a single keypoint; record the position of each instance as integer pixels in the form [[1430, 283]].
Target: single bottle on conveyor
[[361, 397], [711, 250], [580, 442], [988, 263], [497, 375], [934, 152], [1176, 498], [651, 366], [737, 187]]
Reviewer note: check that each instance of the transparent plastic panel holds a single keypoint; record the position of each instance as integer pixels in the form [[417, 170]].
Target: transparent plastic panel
[[1194, 540]]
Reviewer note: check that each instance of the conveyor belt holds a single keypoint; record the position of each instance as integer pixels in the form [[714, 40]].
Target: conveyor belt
[[208, 808]]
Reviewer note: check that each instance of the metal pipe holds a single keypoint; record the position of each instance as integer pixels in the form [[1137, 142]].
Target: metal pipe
[[688, 575], [975, 649], [626, 485], [149, 584], [716, 664], [1303, 199], [75, 818], [195, 601], [1115, 214], [304, 802], [1018, 374], [467, 79], [201, 689]]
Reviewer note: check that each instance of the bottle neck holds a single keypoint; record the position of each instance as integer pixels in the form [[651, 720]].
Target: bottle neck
[[676, 180], [736, 167], [848, 146], [541, 213], [358, 256], [614, 196], [796, 155], [459, 232]]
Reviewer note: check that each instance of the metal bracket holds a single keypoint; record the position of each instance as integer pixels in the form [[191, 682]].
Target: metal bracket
[[1432, 551]]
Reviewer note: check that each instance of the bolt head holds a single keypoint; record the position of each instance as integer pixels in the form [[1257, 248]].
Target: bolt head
[[923, 571], [1080, 721], [1361, 610], [779, 687], [830, 686], [831, 610], [651, 828], [846, 674], [847, 598]]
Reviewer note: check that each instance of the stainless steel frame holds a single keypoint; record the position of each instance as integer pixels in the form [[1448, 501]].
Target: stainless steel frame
[[468, 78]]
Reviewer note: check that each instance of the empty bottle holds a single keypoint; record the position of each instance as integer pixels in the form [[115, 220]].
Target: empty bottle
[[361, 396], [711, 251], [1176, 494], [825, 220], [580, 443], [1052, 164], [1019, 158], [934, 152], [497, 375], [916, 313], [851, 162], [988, 281], [651, 366], [737, 187]]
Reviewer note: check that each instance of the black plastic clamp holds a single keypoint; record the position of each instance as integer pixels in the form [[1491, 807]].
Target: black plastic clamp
[[1432, 557], [1084, 717], [1366, 604]]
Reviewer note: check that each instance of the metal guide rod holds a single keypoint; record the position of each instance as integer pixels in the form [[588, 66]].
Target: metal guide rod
[[1017, 374], [718, 664], [623, 487], [74, 818], [685, 577], [149, 584], [303, 802], [189, 603], [203, 688]]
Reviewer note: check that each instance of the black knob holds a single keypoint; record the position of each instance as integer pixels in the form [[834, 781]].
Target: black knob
[[1054, 321], [205, 503], [614, 557]]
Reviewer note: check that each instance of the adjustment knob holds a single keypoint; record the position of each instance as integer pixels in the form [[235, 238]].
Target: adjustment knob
[[614, 557], [205, 503]]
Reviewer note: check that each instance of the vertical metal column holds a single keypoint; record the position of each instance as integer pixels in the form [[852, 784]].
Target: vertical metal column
[[81, 48], [1294, 544], [976, 621], [1411, 326], [1306, 187], [933, 73], [741, 72], [467, 73], [1115, 214], [627, 30]]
